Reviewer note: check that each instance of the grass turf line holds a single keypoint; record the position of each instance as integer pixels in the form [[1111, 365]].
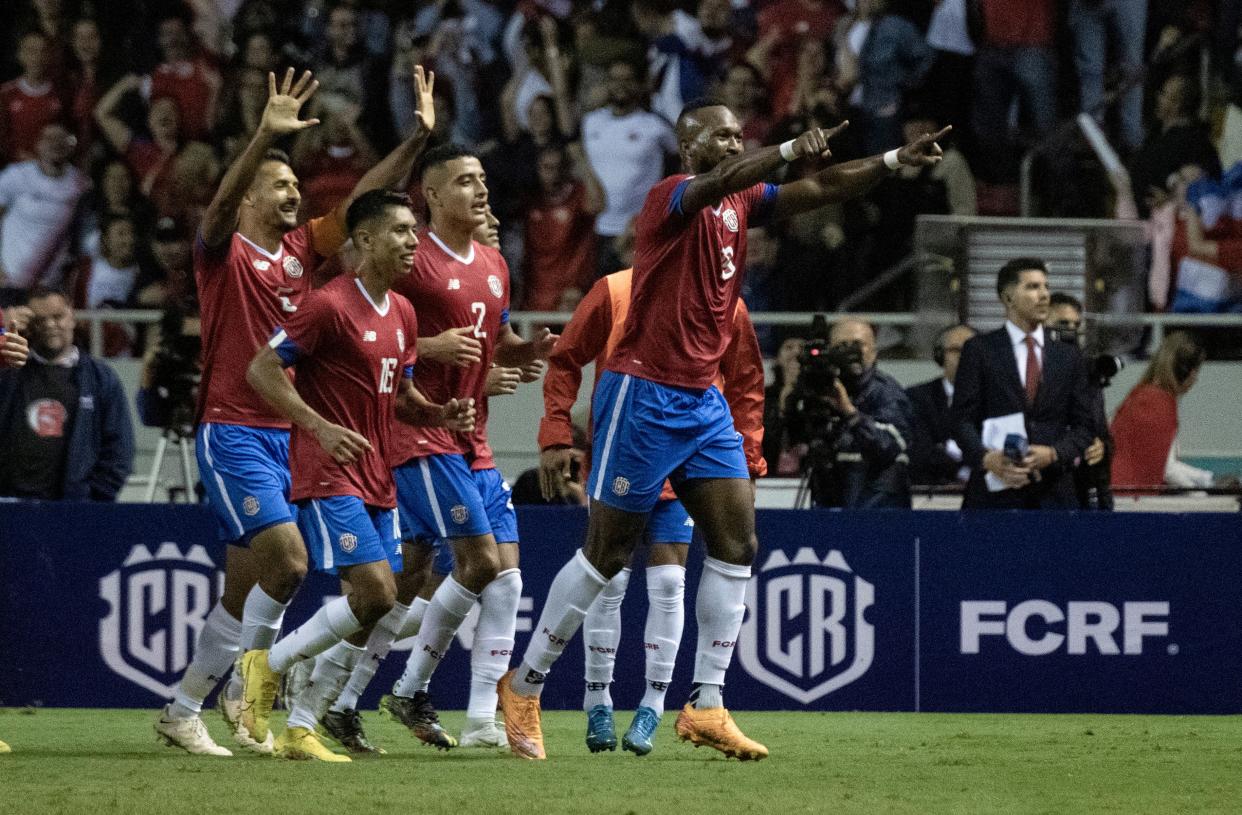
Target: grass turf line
[[108, 761]]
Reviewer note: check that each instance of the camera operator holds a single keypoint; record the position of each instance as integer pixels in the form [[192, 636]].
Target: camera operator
[[1091, 472], [168, 389], [855, 421]]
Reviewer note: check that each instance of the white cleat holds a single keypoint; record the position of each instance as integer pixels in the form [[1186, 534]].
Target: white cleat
[[487, 734], [188, 734], [231, 709]]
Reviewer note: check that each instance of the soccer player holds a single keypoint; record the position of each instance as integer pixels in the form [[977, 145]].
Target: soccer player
[[592, 334], [252, 263], [447, 485], [353, 343], [657, 414]]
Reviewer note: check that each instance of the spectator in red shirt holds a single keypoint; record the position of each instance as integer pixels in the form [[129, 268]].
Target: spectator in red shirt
[[560, 229], [330, 160], [783, 26], [187, 77], [30, 102], [86, 45]]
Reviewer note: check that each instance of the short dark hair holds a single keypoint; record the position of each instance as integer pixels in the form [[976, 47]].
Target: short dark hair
[[276, 154], [1011, 272], [442, 154], [1060, 298], [373, 204], [695, 105], [40, 292]]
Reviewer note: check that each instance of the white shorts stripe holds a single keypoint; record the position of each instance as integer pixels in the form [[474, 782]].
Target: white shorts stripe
[[396, 524], [224, 493], [612, 431], [323, 533], [431, 497]]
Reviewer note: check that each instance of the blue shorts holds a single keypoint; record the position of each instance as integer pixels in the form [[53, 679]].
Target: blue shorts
[[670, 523], [438, 498], [342, 531], [498, 504], [646, 432], [245, 471]]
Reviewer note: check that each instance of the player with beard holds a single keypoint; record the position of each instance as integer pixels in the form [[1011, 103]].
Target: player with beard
[[253, 265], [353, 343], [447, 485], [657, 415]]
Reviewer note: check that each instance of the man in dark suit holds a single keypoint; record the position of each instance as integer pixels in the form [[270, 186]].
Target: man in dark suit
[[1014, 371], [935, 457]]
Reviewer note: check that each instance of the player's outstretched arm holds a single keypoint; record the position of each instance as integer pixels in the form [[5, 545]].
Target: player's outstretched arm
[[744, 170], [280, 118], [842, 182], [414, 408], [394, 168], [267, 376]]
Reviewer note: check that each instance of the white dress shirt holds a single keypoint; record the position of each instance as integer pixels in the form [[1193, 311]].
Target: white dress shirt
[[1017, 337]]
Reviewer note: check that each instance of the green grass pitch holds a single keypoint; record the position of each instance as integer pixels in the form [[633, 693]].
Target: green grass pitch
[[108, 761]]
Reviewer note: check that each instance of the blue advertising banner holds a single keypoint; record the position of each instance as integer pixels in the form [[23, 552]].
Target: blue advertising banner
[[100, 606]]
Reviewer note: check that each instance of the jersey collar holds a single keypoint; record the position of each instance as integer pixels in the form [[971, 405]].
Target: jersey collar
[[466, 261], [380, 310]]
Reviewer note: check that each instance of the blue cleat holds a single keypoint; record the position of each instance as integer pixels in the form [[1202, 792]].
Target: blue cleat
[[601, 733], [638, 738]]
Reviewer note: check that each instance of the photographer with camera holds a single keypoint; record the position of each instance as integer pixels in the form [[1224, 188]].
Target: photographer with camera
[[854, 419], [1091, 472], [1021, 405], [168, 390]]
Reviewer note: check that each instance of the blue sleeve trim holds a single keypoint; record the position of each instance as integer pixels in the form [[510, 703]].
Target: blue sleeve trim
[[408, 371], [285, 348], [674, 201], [504, 317], [764, 207]]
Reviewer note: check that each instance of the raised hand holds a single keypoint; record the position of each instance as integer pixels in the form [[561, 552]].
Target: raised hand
[[458, 415], [343, 444], [13, 350], [280, 116], [456, 346], [924, 150], [503, 381], [424, 101], [814, 142]]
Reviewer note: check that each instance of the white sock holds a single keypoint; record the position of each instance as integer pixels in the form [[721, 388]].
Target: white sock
[[666, 617], [332, 623], [493, 642], [214, 654], [449, 606], [576, 586], [261, 620], [719, 608], [601, 633], [414, 619], [332, 671], [378, 645]]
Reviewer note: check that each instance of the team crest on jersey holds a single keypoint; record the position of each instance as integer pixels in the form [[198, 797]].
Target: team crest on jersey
[[250, 505], [806, 633], [730, 220], [620, 486], [493, 283], [293, 266], [262, 265], [460, 514], [157, 604], [400, 340], [348, 542]]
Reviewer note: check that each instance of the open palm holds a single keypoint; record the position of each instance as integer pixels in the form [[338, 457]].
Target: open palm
[[280, 116], [424, 87]]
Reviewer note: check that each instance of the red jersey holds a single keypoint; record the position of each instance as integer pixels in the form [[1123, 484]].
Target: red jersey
[[593, 333], [24, 112], [193, 85], [351, 353], [244, 293], [451, 291], [560, 247], [687, 275]]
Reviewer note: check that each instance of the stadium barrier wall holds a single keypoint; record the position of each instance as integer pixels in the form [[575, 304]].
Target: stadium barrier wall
[[100, 606]]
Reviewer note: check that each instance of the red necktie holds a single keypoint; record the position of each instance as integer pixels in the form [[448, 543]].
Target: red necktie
[[1032, 370]]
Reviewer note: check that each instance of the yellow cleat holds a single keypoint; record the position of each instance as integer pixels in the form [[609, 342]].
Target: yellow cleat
[[4, 748], [260, 685], [522, 720], [714, 727], [301, 744]]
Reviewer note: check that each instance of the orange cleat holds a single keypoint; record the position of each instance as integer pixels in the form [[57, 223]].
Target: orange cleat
[[714, 727], [522, 720]]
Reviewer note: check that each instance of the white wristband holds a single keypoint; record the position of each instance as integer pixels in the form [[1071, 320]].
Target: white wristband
[[890, 160], [787, 151]]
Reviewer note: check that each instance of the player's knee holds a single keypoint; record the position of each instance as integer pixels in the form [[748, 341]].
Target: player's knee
[[373, 600], [739, 548], [476, 571]]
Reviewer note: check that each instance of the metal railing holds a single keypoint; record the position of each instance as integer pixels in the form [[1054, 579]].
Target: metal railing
[[524, 321]]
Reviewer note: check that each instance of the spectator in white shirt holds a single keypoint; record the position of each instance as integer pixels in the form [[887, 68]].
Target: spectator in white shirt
[[627, 147]]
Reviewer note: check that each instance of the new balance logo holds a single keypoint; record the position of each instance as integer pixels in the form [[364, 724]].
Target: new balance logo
[[368, 336], [454, 284]]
